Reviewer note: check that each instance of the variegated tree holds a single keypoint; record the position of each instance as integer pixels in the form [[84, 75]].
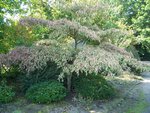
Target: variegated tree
[[85, 51]]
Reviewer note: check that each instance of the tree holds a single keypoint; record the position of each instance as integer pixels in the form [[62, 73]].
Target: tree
[[93, 57], [75, 45], [8, 25], [136, 15]]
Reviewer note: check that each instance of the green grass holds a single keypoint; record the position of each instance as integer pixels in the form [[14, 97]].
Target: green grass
[[139, 106], [17, 111]]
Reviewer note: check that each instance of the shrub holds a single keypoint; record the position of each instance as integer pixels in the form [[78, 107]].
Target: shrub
[[50, 72], [46, 92], [93, 87], [6, 93]]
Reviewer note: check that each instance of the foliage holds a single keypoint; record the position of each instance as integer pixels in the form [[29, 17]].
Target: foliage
[[80, 34], [29, 56], [134, 51], [126, 59], [39, 32], [106, 59], [9, 7], [95, 59], [15, 35], [78, 37], [50, 72], [46, 92], [93, 87], [85, 12], [63, 28], [136, 15], [89, 59], [35, 58], [18, 35], [12, 34], [132, 65], [143, 51], [95, 14], [6, 93]]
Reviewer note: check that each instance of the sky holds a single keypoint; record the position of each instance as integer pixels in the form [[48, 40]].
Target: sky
[[16, 17]]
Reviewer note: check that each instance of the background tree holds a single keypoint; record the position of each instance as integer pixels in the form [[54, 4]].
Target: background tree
[[8, 27], [136, 15]]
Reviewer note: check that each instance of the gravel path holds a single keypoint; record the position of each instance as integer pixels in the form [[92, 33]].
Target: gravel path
[[146, 89]]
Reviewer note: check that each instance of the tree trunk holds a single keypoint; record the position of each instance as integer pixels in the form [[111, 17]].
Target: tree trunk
[[75, 45], [69, 83]]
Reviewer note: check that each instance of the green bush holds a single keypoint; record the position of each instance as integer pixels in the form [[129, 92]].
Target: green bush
[[6, 93], [93, 87], [46, 92], [50, 72]]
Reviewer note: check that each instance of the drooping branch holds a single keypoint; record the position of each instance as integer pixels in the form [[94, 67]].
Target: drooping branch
[[90, 59], [68, 25], [75, 29], [95, 59], [114, 49]]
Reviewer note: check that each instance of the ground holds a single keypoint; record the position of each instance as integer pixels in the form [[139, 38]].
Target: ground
[[133, 97], [146, 89]]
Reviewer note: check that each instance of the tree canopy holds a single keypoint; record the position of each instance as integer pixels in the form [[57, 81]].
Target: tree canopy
[[78, 36]]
